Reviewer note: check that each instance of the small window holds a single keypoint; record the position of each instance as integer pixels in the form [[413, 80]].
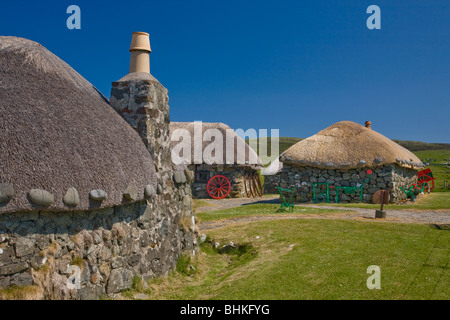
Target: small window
[[201, 176]]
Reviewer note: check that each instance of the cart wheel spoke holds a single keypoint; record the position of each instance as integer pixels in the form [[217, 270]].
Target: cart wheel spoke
[[218, 187]]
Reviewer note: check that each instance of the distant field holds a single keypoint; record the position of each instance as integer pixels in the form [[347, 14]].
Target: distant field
[[284, 143], [414, 146], [441, 173], [419, 146]]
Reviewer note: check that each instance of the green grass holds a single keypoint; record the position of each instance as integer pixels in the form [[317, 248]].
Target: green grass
[[197, 203], [258, 209], [185, 265], [298, 259], [433, 201], [14, 292], [439, 172], [317, 259]]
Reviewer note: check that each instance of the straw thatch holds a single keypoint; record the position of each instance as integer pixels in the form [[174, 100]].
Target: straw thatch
[[346, 145], [59, 132], [250, 159]]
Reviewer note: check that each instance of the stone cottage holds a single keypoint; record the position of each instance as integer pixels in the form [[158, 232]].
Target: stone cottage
[[240, 166], [341, 155], [87, 200]]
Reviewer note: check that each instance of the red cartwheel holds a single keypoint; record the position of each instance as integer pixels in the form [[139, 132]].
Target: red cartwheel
[[218, 187]]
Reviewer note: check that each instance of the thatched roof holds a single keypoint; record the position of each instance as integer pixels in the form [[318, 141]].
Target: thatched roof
[[207, 156], [346, 145], [59, 132]]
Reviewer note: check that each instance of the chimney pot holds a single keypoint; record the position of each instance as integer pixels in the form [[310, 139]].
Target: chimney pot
[[140, 52], [140, 41], [368, 124]]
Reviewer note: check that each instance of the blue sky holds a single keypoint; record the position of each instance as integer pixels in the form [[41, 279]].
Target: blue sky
[[296, 66]]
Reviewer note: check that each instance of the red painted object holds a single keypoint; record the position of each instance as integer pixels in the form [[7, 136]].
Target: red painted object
[[218, 187], [425, 176]]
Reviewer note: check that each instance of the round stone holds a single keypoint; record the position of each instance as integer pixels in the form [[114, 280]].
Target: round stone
[[149, 191], [6, 192], [179, 177], [41, 197], [130, 193], [98, 195], [378, 160], [71, 198], [189, 175]]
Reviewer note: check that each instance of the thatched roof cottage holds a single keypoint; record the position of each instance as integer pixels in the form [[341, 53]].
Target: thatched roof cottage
[[237, 161], [80, 192], [60, 133], [341, 154]]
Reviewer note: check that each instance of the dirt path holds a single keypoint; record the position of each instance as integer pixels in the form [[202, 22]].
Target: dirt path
[[436, 217]]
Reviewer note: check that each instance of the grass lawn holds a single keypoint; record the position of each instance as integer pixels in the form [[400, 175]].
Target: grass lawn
[[300, 259], [316, 259], [433, 201], [259, 209]]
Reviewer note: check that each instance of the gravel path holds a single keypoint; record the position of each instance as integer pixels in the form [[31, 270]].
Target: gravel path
[[435, 217]]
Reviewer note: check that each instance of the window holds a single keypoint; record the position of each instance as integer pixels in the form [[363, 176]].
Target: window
[[201, 176]]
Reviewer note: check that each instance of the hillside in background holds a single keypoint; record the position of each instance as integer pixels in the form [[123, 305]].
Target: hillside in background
[[419, 146], [286, 142]]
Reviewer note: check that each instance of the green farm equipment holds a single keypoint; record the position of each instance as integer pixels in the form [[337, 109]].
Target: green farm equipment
[[352, 190], [425, 180], [287, 198], [321, 192], [411, 191]]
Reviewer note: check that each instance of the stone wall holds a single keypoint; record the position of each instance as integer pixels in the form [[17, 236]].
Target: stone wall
[[387, 177], [269, 183], [109, 247], [144, 103], [233, 173], [402, 177]]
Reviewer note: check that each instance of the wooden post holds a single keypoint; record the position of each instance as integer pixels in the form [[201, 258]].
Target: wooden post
[[384, 196], [382, 202]]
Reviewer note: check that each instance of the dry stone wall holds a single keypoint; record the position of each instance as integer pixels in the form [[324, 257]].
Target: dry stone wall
[[270, 183], [387, 177], [104, 249]]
